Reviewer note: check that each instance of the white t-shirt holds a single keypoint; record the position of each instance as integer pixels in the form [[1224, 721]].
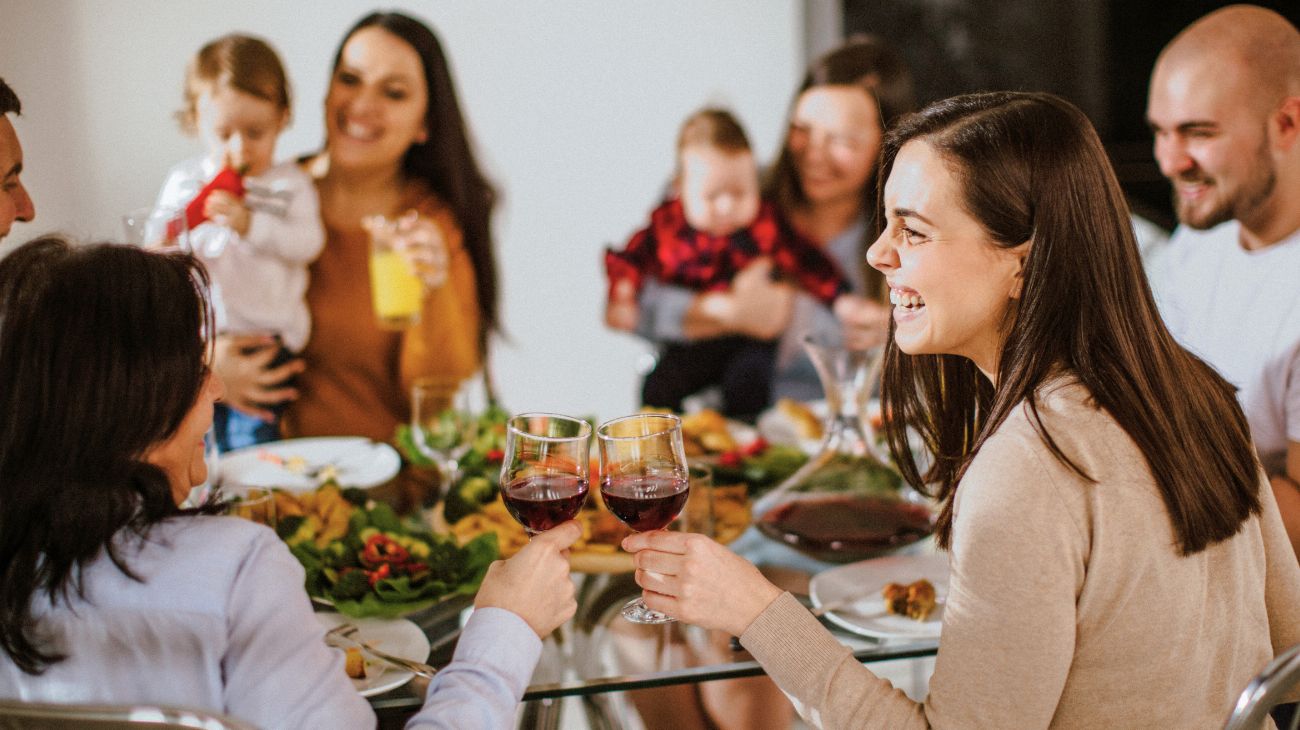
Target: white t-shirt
[[259, 281], [1239, 310]]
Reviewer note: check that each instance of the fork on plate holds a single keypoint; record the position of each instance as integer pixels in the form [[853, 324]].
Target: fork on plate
[[298, 466], [346, 632]]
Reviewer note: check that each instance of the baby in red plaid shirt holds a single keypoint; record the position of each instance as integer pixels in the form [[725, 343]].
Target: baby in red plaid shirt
[[713, 227]]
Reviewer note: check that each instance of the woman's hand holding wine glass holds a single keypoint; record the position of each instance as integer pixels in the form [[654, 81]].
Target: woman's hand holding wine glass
[[643, 480], [535, 583], [699, 581]]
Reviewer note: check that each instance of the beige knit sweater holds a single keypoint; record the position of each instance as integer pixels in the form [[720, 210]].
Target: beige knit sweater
[[1068, 605]]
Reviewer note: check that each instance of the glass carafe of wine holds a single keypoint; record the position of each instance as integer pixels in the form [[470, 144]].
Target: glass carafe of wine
[[847, 503]]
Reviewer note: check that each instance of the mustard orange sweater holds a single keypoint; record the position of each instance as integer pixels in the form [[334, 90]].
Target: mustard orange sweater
[[358, 376]]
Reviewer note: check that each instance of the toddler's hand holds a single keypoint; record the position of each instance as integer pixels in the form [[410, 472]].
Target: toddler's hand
[[228, 210], [622, 312], [761, 307]]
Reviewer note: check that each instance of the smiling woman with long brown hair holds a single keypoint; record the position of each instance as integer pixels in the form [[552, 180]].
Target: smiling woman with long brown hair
[[1116, 557], [396, 144]]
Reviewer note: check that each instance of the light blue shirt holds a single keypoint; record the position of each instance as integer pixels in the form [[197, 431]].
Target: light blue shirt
[[220, 621]]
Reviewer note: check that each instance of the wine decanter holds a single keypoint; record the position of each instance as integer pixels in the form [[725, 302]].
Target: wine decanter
[[846, 503]]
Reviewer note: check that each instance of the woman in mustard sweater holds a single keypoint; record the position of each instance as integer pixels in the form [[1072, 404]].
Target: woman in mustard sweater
[[395, 142], [1117, 558]]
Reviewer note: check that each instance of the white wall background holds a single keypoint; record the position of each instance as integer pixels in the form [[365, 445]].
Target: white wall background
[[574, 105]]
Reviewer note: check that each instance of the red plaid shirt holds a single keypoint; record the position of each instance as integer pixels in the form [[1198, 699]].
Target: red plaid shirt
[[670, 251]]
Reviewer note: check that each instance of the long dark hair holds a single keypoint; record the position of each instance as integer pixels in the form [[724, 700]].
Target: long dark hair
[[103, 352], [1033, 170], [864, 61], [445, 161]]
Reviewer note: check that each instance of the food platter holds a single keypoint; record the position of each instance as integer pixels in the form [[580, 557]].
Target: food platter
[[597, 551], [364, 560]]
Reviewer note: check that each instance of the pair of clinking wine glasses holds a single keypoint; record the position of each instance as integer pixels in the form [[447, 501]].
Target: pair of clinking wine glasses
[[643, 475]]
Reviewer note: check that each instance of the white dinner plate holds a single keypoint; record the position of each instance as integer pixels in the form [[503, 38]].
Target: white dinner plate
[[397, 636], [866, 615], [359, 462], [742, 433]]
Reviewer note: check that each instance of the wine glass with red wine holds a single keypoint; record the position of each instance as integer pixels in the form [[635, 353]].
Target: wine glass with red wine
[[644, 481], [545, 476]]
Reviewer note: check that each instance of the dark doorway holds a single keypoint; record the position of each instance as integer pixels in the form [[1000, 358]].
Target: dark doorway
[[1096, 53]]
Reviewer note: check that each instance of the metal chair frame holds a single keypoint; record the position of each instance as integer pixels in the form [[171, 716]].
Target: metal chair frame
[[1267, 690], [44, 716]]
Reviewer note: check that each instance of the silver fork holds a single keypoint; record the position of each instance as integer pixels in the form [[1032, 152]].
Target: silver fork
[[345, 631]]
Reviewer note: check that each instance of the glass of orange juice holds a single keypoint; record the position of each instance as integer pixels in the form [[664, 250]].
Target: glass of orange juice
[[395, 290]]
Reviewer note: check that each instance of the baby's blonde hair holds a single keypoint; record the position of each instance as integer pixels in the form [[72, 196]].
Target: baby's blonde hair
[[243, 62]]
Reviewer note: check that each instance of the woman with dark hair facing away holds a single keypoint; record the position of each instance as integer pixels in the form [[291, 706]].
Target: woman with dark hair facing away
[[112, 593], [396, 145], [1117, 558], [823, 186]]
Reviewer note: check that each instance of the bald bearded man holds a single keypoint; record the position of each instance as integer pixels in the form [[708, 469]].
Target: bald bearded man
[[1224, 105], [15, 203]]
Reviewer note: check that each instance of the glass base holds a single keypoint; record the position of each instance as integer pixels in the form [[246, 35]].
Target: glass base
[[397, 322], [637, 612]]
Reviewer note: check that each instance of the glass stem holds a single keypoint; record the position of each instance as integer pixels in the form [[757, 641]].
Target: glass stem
[[445, 470]]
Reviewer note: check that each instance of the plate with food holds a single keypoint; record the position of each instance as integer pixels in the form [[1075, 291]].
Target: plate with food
[[793, 423], [369, 674], [895, 597], [305, 464], [365, 560]]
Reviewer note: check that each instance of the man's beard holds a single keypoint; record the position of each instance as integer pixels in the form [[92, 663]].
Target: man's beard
[[1252, 193]]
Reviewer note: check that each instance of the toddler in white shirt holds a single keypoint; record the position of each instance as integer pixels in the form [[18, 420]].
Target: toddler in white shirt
[[255, 224]]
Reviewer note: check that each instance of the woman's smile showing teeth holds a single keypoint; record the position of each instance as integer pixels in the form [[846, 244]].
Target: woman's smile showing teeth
[[907, 303], [363, 132], [905, 298]]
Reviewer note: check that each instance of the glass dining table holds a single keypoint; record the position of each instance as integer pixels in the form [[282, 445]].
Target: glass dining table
[[597, 653]]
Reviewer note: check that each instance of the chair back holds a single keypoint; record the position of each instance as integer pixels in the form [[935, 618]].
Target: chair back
[[1276, 684], [35, 716]]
